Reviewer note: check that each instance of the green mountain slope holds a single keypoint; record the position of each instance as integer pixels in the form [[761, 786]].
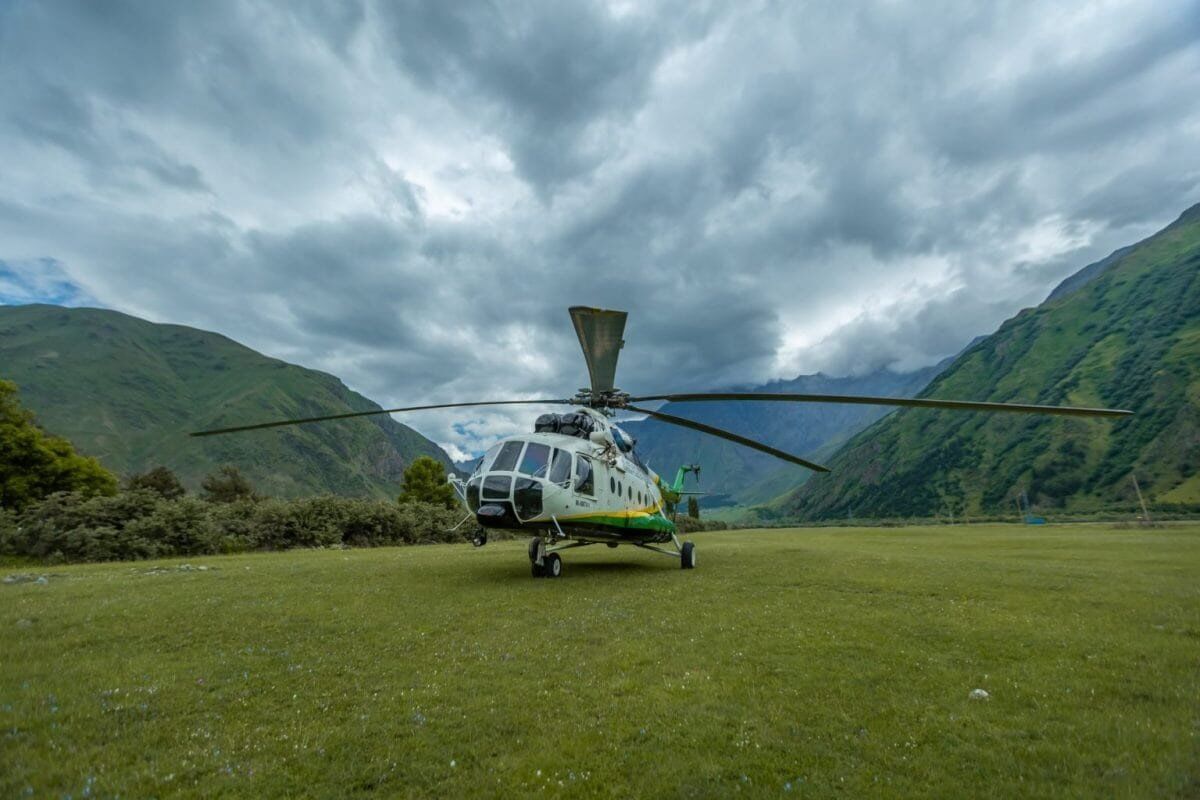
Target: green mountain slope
[[1128, 337], [127, 391], [735, 474]]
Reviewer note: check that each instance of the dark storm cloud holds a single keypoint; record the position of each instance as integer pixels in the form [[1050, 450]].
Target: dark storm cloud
[[409, 195], [555, 78]]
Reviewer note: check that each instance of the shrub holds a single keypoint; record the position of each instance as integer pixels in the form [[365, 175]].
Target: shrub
[[8, 532], [182, 527], [74, 527], [160, 480], [70, 526], [227, 485], [689, 524], [372, 524]]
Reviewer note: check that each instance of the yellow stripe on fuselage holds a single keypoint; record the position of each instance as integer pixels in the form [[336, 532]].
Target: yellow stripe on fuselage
[[624, 513]]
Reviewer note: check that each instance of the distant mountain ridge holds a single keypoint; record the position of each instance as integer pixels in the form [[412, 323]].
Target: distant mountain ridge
[[731, 473], [1123, 332], [127, 391]]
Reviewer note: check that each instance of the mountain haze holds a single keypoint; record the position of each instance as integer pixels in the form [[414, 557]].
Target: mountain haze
[[127, 391], [732, 473], [1123, 333]]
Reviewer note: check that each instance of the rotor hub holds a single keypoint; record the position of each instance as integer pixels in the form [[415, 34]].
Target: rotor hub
[[608, 401]]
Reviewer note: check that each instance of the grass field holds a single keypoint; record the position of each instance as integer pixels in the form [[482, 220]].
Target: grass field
[[822, 662]]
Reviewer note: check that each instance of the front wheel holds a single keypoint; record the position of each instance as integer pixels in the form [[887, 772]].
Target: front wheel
[[552, 565], [687, 556], [535, 548]]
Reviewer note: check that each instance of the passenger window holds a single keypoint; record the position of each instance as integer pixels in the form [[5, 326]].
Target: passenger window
[[583, 475], [560, 466], [536, 460], [612, 484], [506, 459]]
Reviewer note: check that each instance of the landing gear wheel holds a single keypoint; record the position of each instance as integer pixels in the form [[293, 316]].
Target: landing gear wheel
[[687, 556], [535, 549], [612, 545], [552, 566], [480, 538]]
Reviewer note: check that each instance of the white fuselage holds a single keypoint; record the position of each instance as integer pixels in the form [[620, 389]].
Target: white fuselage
[[581, 485]]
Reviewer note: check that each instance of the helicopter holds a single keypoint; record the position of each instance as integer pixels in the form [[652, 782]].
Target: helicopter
[[577, 480]]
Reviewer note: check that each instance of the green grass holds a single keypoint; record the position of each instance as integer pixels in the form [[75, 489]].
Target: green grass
[[794, 662]]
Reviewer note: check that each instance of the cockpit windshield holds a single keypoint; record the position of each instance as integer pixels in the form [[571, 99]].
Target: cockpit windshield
[[485, 463], [536, 460], [506, 459]]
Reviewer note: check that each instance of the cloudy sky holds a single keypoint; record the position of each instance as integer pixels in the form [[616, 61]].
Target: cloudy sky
[[409, 195]]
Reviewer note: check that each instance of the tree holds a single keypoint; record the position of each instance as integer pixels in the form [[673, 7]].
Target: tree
[[425, 482], [693, 508], [227, 485], [34, 464], [159, 480]]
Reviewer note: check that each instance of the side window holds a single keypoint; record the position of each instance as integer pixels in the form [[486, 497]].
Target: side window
[[583, 476], [560, 466], [612, 484]]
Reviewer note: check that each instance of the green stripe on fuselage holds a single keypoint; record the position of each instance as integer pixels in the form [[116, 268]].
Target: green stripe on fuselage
[[624, 521]]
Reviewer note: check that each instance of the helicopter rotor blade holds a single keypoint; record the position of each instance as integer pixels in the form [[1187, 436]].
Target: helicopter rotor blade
[[329, 417], [910, 402], [599, 332], [724, 434]]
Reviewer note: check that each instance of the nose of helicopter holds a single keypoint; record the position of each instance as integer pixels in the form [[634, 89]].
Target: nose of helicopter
[[504, 499], [495, 515]]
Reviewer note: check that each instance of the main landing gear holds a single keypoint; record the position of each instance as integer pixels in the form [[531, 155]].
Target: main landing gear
[[687, 556], [544, 563], [541, 563]]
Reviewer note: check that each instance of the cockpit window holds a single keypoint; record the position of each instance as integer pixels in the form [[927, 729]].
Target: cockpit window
[[485, 463], [506, 460], [560, 466], [536, 460]]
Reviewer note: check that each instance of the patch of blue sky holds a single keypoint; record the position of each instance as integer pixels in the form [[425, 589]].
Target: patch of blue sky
[[41, 280], [471, 444]]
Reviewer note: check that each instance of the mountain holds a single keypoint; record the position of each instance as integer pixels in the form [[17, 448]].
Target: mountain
[[735, 474], [127, 391], [1125, 334], [467, 467]]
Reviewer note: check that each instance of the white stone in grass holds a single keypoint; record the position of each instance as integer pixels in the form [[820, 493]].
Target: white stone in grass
[[979, 694]]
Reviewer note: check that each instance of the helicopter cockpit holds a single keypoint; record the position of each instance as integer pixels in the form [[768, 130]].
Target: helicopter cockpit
[[513, 477]]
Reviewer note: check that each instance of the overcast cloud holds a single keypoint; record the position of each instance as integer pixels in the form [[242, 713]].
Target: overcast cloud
[[409, 195]]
